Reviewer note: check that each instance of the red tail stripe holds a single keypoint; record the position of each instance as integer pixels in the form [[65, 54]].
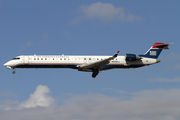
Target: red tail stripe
[[160, 45]]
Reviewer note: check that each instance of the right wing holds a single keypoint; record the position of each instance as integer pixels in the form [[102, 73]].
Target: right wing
[[99, 64]]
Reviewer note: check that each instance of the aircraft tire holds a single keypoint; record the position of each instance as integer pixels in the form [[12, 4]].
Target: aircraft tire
[[94, 75]]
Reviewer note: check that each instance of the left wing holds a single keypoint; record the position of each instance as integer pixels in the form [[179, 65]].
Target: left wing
[[99, 64]]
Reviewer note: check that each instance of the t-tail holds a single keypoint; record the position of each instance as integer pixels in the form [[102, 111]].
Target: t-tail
[[155, 50]]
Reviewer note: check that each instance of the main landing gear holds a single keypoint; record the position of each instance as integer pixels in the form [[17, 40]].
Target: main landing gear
[[95, 73]]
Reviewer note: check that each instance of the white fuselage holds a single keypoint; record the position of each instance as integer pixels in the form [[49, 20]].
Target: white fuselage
[[93, 64], [65, 61]]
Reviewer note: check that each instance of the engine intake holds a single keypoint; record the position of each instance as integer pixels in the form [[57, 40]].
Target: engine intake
[[132, 57]]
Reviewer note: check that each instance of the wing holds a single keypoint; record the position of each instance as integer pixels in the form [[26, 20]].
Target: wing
[[99, 64]]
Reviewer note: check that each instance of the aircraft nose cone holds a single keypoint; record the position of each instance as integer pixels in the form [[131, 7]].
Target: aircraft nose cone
[[8, 65], [157, 61], [5, 64]]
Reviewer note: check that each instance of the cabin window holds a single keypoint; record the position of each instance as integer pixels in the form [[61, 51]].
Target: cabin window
[[84, 58], [37, 58], [34, 58], [41, 58], [53, 58], [64, 58], [45, 58], [89, 58]]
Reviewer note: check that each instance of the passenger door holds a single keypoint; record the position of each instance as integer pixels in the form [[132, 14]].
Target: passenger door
[[26, 59]]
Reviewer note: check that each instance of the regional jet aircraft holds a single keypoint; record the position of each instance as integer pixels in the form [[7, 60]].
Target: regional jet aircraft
[[93, 64]]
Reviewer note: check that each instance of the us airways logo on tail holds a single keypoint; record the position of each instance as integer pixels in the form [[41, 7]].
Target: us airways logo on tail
[[155, 50], [85, 63]]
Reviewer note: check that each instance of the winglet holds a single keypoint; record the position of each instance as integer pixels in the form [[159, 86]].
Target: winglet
[[116, 54]]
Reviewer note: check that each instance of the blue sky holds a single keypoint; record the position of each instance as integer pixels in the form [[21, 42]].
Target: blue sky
[[45, 27]]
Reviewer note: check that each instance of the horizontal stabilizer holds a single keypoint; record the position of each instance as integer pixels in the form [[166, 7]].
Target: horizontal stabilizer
[[161, 45]]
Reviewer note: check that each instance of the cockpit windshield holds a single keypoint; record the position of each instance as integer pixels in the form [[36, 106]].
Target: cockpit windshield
[[16, 59]]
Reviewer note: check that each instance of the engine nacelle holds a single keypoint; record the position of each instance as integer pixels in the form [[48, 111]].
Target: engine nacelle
[[132, 57]]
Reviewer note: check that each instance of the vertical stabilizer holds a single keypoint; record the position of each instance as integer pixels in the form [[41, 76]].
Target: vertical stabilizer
[[155, 50]]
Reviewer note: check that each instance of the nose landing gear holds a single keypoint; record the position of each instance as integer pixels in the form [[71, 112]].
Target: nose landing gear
[[14, 71]]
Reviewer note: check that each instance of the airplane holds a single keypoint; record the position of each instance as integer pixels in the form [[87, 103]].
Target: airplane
[[94, 64]]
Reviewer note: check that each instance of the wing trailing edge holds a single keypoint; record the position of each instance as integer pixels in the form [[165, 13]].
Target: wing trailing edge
[[99, 64]]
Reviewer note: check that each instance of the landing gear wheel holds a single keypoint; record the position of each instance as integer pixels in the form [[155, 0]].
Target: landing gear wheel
[[13, 72], [94, 75]]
